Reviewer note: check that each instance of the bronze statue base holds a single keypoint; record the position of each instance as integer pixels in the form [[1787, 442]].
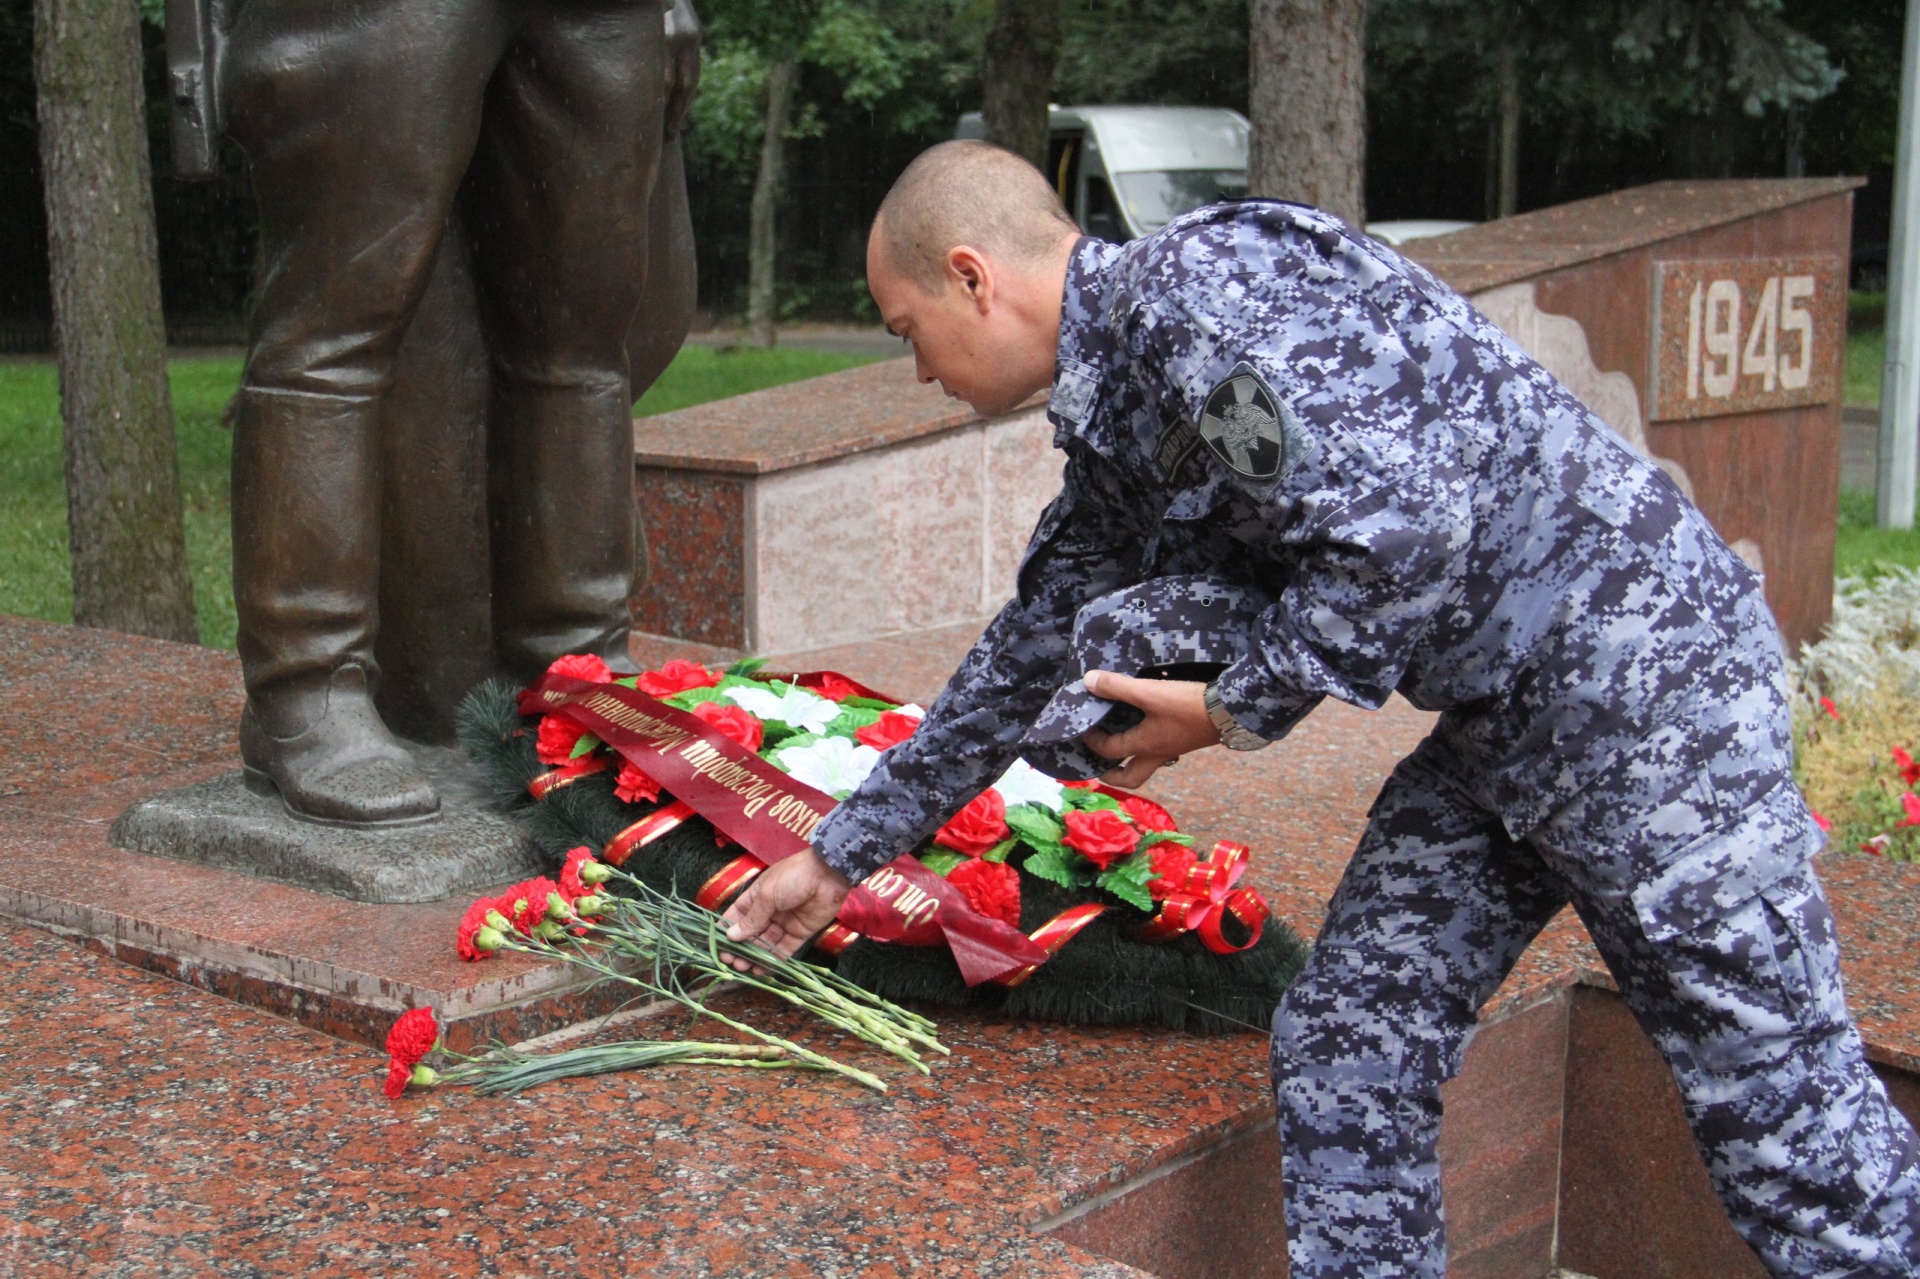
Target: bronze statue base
[[470, 846]]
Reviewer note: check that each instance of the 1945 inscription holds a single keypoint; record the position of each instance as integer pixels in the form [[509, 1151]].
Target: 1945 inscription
[[1743, 335]]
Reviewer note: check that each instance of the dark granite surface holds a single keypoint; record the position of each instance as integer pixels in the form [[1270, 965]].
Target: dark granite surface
[[1530, 244], [801, 422], [150, 1127]]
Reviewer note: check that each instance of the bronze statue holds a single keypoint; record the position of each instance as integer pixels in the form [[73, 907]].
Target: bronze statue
[[477, 253]]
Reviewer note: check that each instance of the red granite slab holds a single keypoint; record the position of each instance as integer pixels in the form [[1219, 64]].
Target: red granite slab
[[802, 422], [164, 1128], [151, 1128], [1529, 244]]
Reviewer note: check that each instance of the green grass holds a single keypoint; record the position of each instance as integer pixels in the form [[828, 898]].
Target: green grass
[[702, 373], [1861, 549], [1866, 348], [35, 579]]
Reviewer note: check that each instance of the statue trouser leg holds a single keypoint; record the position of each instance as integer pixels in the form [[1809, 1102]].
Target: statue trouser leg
[[1692, 880], [359, 118], [306, 572], [559, 201]]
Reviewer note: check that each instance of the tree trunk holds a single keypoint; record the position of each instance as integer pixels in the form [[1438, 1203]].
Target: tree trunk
[[1017, 74], [123, 475], [1509, 134], [762, 307], [1308, 102]]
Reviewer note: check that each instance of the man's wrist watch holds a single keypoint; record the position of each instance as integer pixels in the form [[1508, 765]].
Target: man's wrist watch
[[1233, 735]]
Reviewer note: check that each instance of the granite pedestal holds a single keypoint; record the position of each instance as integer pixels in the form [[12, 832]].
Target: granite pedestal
[[149, 1127]]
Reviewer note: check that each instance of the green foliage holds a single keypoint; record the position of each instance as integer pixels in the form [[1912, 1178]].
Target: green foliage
[[941, 861], [1624, 67], [1058, 864], [1127, 880], [1087, 800], [1190, 52], [1862, 549], [1854, 130], [1036, 826], [866, 61]]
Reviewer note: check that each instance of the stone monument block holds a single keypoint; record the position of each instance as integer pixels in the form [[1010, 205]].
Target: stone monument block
[[1705, 321]]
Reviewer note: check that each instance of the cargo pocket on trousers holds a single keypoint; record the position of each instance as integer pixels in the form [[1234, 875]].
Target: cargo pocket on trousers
[[1741, 928]]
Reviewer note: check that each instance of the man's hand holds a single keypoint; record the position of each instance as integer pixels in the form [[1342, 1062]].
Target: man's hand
[[1176, 722], [791, 901]]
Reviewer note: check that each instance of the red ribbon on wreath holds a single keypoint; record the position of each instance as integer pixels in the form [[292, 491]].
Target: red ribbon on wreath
[[1201, 900], [771, 815]]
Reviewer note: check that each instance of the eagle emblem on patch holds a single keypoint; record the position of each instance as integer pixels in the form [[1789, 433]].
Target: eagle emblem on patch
[[1241, 423]]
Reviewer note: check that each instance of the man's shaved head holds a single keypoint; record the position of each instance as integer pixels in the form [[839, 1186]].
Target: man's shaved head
[[971, 193]]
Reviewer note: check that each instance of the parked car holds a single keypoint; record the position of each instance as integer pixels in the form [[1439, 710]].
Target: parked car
[[1399, 232], [1125, 172]]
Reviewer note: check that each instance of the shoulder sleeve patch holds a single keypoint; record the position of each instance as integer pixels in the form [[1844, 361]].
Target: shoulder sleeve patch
[[1074, 388], [1241, 422]]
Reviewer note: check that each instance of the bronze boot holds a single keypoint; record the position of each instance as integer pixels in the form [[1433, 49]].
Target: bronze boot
[[306, 565], [561, 481]]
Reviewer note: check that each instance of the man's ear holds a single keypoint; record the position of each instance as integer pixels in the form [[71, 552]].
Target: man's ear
[[972, 273]]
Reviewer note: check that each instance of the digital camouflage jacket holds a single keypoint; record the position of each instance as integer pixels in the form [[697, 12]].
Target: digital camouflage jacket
[[1260, 394]]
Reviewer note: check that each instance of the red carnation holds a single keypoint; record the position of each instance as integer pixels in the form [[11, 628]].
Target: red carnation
[[571, 885], [633, 786], [992, 888], [1146, 814], [472, 922], [977, 827], [1171, 863], [525, 904], [398, 1077], [412, 1038], [734, 722], [582, 666], [558, 736], [891, 729], [1101, 836], [1826, 704], [1821, 822], [835, 688], [677, 676]]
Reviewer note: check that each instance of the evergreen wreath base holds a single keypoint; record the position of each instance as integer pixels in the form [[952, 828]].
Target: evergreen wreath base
[[1102, 976]]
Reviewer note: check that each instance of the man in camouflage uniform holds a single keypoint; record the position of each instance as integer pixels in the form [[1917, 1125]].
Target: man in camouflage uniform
[[1258, 394]]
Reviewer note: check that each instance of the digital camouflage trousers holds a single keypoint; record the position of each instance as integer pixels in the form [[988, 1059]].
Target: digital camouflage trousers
[[1688, 864]]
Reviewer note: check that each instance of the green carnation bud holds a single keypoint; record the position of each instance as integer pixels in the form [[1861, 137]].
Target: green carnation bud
[[557, 908], [595, 872], [490, 938], [424, 1077], [496, 920], [593, 905], [548, 931]]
